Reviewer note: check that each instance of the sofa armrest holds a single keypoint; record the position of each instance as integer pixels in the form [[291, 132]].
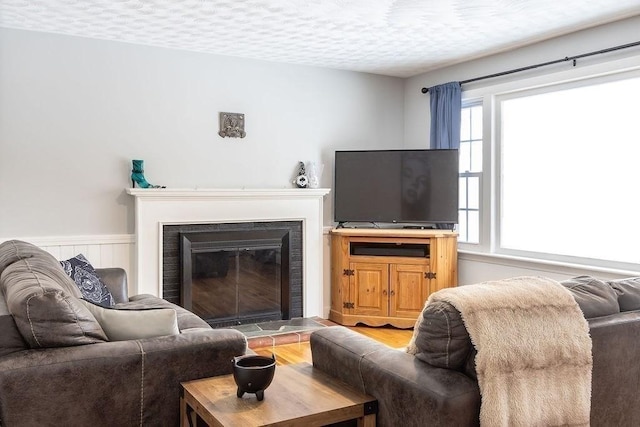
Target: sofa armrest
[[116, 281], [409, 392], [115, 383]]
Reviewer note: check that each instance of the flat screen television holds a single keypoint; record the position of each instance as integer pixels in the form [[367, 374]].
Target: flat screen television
[[397, 186]]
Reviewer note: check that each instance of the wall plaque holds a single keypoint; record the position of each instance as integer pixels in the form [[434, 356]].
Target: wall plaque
[[232, 125]]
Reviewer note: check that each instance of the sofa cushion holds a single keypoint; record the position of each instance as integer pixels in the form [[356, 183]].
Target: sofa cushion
[[10, 338], [628, 291], [123, 324], [595, 297], [88, 281], [43, 300], [186, 319], [441, 338], [16, 250]]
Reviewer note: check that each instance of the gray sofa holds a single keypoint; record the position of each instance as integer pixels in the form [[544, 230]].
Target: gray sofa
[[58, 368], [438, 386]]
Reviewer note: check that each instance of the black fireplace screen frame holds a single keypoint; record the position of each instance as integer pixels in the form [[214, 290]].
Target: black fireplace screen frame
[[205, 242], [287, 233]]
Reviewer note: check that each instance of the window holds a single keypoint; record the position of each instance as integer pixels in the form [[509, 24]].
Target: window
[[470, 174], [569, 158]]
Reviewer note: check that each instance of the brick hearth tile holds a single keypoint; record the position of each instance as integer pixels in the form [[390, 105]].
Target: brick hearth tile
[[265, 341]]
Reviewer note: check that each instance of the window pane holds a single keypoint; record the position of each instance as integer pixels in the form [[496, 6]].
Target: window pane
[[474, 192], [476, 122], [473, 227], [465, 156], [462, 193], [476, 156], [462, 226], [569, 166], [465, 123]]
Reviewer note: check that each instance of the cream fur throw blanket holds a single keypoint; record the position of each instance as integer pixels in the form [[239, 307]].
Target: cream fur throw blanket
[[533, 351]]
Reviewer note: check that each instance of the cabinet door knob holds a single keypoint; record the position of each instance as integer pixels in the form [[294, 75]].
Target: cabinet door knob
[[384, 292], [393, 293]]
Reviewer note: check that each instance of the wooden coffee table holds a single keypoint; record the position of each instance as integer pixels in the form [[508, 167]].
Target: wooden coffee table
[[298, 395]]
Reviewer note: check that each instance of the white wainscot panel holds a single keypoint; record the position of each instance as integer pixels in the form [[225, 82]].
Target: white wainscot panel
[[102, 251]]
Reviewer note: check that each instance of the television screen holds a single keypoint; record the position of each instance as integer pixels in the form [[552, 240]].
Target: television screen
[[396, 186]]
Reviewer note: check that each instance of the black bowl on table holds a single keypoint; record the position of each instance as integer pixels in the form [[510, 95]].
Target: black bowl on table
[[253, 374]]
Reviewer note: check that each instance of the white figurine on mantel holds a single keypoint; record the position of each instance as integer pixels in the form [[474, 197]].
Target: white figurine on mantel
[[314, 172], [301, 181]]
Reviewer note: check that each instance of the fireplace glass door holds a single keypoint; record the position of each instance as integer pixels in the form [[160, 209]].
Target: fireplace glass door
[[235, 277], [235, 285]]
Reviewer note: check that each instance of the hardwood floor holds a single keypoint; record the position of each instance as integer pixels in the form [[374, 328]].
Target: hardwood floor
[[301, 352]]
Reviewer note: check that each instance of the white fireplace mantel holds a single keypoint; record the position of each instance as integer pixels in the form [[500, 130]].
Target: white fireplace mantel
[[162, 206]]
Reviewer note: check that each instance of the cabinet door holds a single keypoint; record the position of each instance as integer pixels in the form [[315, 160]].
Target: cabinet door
[[408, 290], [369, 289]]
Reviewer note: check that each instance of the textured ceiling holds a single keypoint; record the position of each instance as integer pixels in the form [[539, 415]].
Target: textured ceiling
[[391, 37]]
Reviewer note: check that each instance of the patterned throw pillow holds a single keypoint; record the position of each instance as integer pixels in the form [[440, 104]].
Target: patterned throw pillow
[[92, 288]]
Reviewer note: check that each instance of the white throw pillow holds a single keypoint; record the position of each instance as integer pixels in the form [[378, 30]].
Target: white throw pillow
[[122, 325]]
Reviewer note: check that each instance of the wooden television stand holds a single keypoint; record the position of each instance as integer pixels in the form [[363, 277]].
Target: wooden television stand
[[384, 276]]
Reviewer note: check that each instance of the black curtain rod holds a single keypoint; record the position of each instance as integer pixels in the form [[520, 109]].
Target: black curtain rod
[[544, 64]]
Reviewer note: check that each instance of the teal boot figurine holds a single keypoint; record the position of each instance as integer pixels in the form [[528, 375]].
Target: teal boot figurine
[[137, 176]]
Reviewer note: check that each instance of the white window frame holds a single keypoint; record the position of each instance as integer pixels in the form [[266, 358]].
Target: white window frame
[[587, 82], [479, 175], [490, 204]]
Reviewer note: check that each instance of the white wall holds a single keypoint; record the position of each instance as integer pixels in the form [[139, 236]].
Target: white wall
[[473, 266], [75, 111]]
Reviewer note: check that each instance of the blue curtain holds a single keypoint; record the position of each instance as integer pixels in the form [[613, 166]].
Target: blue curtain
[[446, 103]]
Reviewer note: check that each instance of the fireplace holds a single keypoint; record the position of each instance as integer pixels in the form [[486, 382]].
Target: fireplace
[[235, 273], [157, 208]]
